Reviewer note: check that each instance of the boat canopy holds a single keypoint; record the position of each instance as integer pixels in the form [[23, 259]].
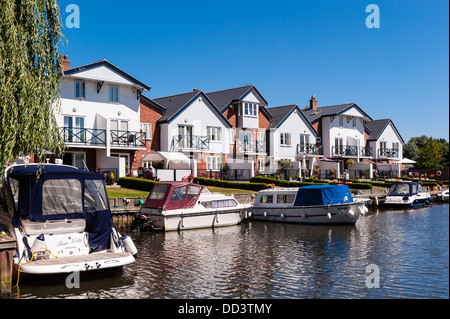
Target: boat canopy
[[315, 195], [58, 192], [405, 189], [173, 195]]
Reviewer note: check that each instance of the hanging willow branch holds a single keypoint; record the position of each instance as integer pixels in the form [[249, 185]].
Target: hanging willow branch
[[29, 79]]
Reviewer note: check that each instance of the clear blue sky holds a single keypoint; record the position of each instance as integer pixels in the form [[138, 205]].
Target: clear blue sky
[[289, 50]]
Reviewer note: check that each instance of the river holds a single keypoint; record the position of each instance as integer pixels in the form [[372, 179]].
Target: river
[[387, 254]]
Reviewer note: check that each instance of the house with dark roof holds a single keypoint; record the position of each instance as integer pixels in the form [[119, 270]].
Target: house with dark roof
[[246, 110], [292, 138], [100, 117], [193, 125], [385, 141]]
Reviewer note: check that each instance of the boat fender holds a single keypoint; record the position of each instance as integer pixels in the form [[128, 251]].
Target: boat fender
[[265, 214], [38, 244], [217, 216], [427, 202], [329, 216], [249, 214], [303, 215], [129, 245], [283, 216], [351, 213], [412, 205]]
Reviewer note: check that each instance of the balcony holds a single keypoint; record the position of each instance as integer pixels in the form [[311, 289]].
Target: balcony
[[351, 151], [128, 138], [85, 136], [310, 149], [190, 142], [250, 146], [388, 153]]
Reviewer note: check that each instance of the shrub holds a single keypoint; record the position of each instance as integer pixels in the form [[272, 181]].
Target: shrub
[[136, 183]]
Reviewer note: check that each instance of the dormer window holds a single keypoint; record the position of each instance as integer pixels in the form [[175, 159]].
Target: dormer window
[[80, 89], [250, 109], [114, 93]]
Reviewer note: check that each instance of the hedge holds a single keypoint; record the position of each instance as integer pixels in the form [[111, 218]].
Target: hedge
[[278, 182], [227, 184], [136, 183]]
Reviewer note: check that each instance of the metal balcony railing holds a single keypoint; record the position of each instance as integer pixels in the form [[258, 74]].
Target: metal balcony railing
[[309, 149], [86, 136], [250, 146], [351, 151], [190, 142], [127, 138], [388, 153]]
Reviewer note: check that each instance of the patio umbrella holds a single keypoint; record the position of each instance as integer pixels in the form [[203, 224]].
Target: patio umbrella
[[405, 161]]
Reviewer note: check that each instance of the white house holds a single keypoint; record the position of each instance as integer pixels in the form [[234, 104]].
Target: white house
[[194, 126], [292, 138], [100, 117]]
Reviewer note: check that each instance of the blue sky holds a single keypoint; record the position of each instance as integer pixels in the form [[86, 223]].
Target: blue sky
[[289, 50]]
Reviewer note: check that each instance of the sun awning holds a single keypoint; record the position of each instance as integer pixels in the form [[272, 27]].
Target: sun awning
[[405, 161], [170, 159]]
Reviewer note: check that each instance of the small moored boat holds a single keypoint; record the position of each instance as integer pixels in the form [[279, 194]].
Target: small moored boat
[[444, 195], [315, 204], [184, 205], [61, 220], [407, 194]]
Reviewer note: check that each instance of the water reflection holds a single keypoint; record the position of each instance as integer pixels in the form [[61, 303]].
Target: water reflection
[[269, 260]]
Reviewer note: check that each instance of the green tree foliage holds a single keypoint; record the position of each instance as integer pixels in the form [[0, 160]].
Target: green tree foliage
[[428, 152], [30, 31]]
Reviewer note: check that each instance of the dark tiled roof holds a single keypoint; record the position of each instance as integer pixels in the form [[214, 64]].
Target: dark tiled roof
[[174, 103], [279, 113], [376, 127], [314, 114]]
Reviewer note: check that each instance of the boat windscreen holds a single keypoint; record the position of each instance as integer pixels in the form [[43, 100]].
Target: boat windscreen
[[158, 191], [61, 196], [399, 189], [95, 197]]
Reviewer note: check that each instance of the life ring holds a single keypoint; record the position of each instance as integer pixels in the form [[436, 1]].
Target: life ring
[[438, 173]]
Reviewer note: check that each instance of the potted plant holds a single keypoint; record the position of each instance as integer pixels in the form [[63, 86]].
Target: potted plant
[[111, 178]]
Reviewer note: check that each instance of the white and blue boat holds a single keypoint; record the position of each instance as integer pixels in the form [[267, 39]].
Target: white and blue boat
[[61, 220], [407, 195], [315, 204]]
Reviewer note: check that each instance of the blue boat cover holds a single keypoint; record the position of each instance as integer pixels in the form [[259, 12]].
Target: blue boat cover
[[58, 192], [323, 195]]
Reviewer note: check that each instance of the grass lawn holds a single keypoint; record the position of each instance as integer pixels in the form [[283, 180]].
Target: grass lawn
[[119, 192]]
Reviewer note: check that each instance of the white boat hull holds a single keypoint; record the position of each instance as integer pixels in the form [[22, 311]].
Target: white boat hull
[[334, 214], [407, 201], [177, 220]]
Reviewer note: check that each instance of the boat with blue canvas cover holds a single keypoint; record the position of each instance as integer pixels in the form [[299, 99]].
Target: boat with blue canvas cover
[[61, 220], [407, 195], [315, 204]]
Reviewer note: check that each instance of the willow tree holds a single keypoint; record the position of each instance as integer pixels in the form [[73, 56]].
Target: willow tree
[[30, 31]]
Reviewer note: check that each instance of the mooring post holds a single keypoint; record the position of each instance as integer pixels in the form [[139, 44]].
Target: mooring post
[[7, 249]]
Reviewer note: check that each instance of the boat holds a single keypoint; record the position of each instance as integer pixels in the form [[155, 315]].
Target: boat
[[314, 204], [61, 220], [444, 195], [406, 195], [183, 205]]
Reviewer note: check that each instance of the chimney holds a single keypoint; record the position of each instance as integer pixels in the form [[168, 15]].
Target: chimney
[[313, 103], [65, 62], [196, 90]]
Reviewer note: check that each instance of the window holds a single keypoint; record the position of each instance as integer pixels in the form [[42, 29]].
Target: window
[[395, 145], [231, 136], [266, 199], [285, 198], [213, 163], [341, 121], [179, 193], [213, 133], [147, 129], [250, 109], [114, 94], [285, 139], [80, 89], [74, 133], [260, 164], [95, 198], [158, 191], [61, 196], [354, 122], [193, 191]]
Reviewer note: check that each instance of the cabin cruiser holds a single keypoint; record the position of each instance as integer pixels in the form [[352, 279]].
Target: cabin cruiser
[[407, 194], [184, 205], [444, 195], [315, 204], [61, 220]]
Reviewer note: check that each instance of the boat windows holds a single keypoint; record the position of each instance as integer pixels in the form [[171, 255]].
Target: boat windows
[[14, 187], [179, 193], [420, 189], [266, 199], [193, 191], [220, 203], [95, 198], [399, 189], [285, 198], [61, 196], [158, 192]]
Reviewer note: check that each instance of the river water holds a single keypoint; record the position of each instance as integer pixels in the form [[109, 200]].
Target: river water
[[387, 254]]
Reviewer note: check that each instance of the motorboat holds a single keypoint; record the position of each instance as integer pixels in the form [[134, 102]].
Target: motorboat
[[444, 195], [314, 204], [184, 205], [61, 220], [407, 194]]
